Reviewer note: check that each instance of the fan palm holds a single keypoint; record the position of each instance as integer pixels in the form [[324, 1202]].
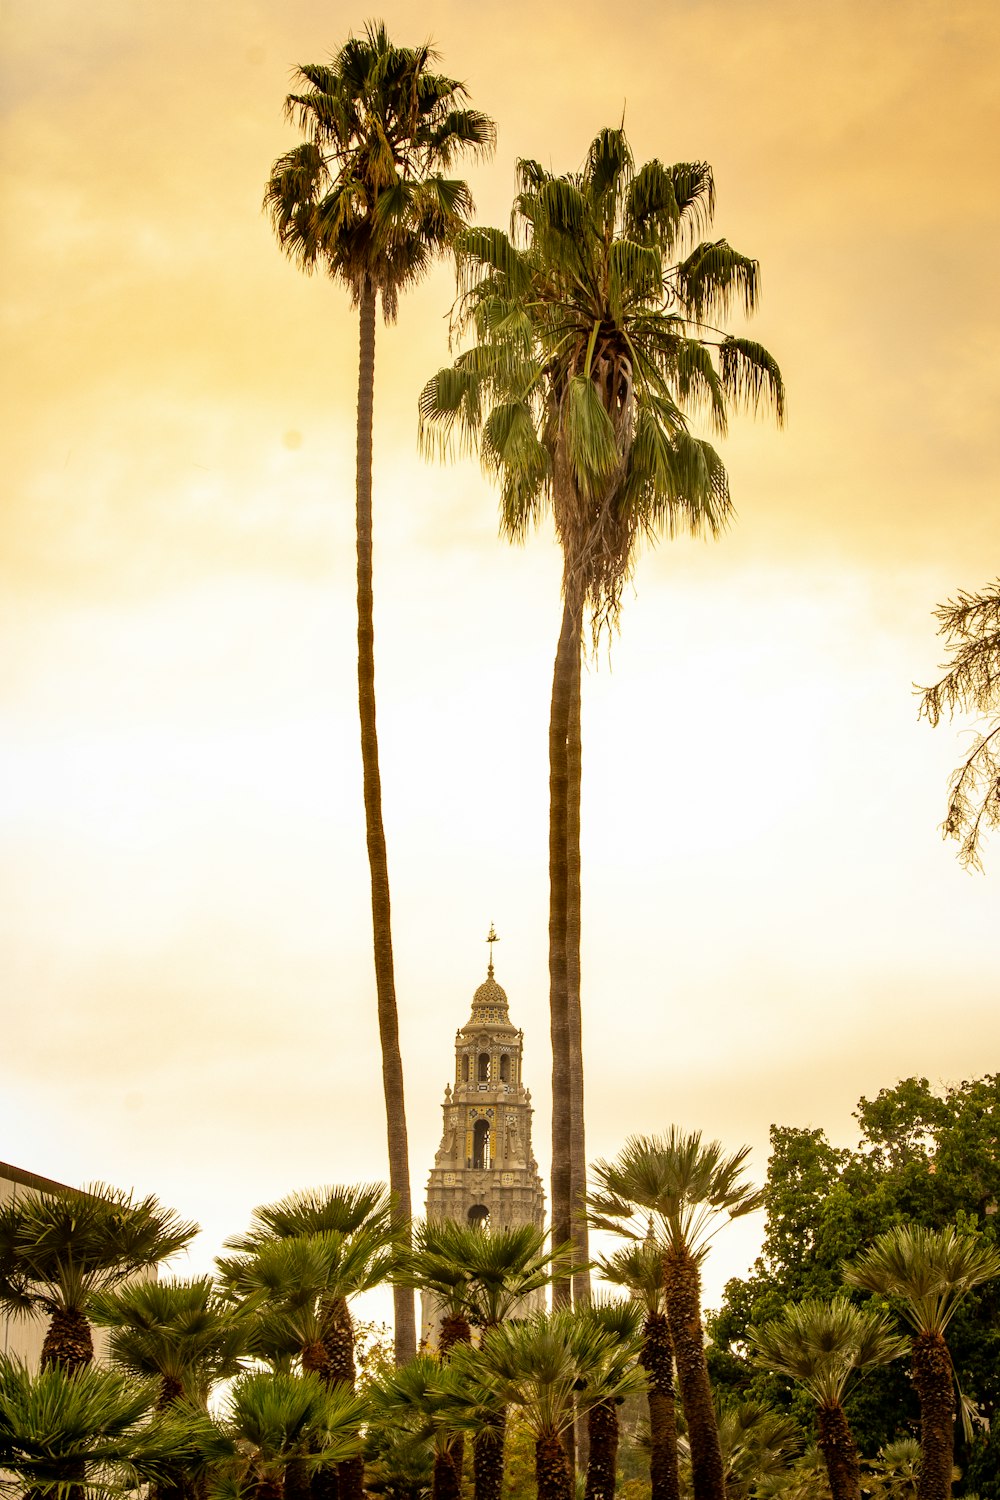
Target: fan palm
[[284, 1426], [639, 1267], [481, 1277], [691, 1188], [184, 1333], [299, 1265], [364, 198], [415, 1401], [930, 1272], [550, 1368], [758, 1445], [87, 1431], [58, 1250], [823, 1346], [620, 1319], [593, 336]]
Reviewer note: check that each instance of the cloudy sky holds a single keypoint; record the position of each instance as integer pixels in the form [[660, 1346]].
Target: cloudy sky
[[772, 925]]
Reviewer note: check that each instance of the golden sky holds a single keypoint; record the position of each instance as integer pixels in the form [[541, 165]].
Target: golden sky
[[773, 925]]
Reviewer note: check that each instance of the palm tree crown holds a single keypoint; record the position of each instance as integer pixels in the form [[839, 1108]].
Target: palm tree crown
[[364, 196]]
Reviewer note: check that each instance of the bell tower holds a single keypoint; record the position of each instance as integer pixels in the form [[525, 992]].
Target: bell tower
[[485, 1170]]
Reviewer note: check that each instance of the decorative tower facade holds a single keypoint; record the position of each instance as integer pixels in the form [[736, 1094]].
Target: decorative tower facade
[[485, 1170]]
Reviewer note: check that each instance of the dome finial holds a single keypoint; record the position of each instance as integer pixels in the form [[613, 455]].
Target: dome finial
[[491, 938]]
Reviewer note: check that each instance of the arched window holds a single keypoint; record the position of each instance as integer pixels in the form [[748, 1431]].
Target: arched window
[[481, 1145], [505, 1070], [465, 1068], [484, 1067], [478, 1215]]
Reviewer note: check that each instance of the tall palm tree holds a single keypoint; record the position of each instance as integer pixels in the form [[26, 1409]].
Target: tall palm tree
[[186, 1334], [364, 198], [930, 1272], [58, 1250], [691, 1188], [640, 1269], [593, 328], [824, 1346]]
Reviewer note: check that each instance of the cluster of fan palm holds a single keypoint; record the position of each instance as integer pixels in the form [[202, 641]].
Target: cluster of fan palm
[[246, 1384]]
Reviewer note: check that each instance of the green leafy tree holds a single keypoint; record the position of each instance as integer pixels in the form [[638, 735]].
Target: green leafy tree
[[924, 1157], [824, 1346], [594, 338], [364, 198], [692, 1188], [58, 1250], [930, 1273], [970, 625]]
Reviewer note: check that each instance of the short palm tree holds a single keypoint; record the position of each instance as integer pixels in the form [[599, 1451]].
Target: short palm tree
[[691, 1187], [824, 1346], [58, 1250], [484, 1277], [66, 1433], [414, 1401], [364, 198], [929, 1272], [284, 1427], [758, 1445], [639, 1267], [620, 1319], [551, 1368], [594, 339], [186, 1334]]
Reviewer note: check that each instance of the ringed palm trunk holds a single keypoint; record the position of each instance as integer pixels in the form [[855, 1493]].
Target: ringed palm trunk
[[455, 1329], [932, 1378], [553, 1472], [682, 1293], [574, 1019], [602, 1451], [840, 1454], [657, 1359], [338, 1344], [405, 1326], [68, 1343], [567, 653], [487, 1460]]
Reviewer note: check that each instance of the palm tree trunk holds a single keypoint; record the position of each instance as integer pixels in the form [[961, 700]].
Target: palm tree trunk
[[933, 1379], [405, 1324], [553, 1473], [68, 1343], [657, 1359], [487, 1460], [574, 1020], [682, 1293], [446, 1483], [602, 1454], [840, 1454], [567, 652]]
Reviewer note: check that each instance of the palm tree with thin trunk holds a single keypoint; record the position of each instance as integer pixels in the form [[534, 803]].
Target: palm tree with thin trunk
[[594, 337], [692, 1188], [640, 1268], [824, 1346], [364, 197], [58, 1250], [929, 1272]]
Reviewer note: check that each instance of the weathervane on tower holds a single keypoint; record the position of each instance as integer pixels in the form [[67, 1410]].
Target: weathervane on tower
[[491, 938]]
